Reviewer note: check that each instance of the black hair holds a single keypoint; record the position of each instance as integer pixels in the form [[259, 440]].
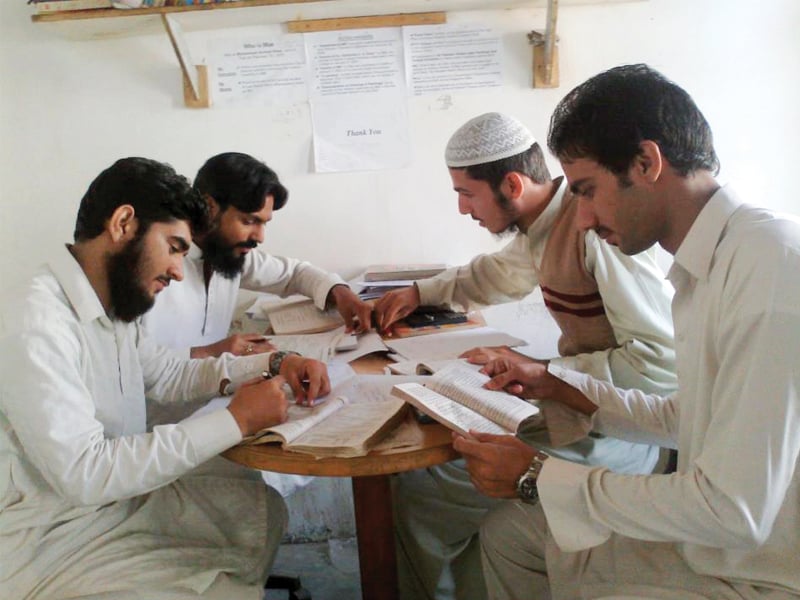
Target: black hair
[[606, 118], [239, 180], [529, 162], [154, 190]]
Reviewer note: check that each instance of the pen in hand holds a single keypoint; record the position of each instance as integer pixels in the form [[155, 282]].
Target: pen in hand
[[266, 375]]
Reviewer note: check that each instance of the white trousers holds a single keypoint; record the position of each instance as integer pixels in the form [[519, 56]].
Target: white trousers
[[438, 513], [211, 534], [521, 561]]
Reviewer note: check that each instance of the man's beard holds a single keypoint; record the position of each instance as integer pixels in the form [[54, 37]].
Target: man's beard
[[508, 209], [129, 297], [221, 257]]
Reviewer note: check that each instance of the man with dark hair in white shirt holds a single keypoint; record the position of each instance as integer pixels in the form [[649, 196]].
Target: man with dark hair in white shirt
[[639, 155], [92, 504], [242, 194]]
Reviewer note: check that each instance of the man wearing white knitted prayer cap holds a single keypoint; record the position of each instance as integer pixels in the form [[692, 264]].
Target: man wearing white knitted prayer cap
[[613, 312]]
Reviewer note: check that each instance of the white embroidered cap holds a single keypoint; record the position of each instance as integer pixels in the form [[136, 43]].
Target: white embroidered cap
[[487, 138]]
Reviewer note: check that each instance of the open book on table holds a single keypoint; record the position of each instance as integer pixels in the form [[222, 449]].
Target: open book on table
[[455, 397], [355, 416], [302, 317]]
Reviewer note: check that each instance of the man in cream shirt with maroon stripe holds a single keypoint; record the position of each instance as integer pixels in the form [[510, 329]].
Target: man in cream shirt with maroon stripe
[[613, 311]]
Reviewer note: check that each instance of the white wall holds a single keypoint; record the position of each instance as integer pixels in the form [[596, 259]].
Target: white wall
[[69, 108]]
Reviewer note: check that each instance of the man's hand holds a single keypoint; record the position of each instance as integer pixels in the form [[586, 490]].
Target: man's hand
[[241, 344], [484, 354], [494, 462], [395, 305], [534, 381], [356, 313], [259, 403], [307, 377]]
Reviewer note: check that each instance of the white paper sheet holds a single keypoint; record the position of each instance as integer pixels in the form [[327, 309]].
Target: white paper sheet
[[360, 134], [449, 344], [361, 62], [258, 70], [452, 57], [358, 100]]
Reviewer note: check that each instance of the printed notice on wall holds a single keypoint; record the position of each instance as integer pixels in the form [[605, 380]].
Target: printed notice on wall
[[355, 62], [455, 57], [360, 134], [358, 100], [258, 71]]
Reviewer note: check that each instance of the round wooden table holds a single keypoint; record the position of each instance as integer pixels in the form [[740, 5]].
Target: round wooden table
[[372, 498]]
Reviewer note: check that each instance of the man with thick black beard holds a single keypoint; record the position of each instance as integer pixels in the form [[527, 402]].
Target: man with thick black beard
[[242, 194], [92, 503]]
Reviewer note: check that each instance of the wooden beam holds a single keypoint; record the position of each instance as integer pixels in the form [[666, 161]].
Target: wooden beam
[[542, 77], [399, 20], [105, 13], [195, 77], [545, 50]]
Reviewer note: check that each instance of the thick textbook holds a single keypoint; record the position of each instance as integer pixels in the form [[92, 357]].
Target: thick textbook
[[302, 317], [357, 415], [402, 329], [455, 397], [402, 271]]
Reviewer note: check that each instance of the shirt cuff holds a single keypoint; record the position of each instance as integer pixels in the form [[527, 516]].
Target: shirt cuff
[[211, 433], [242, 368], [563, 488], [564, 425], [324, 288], [431, 291]]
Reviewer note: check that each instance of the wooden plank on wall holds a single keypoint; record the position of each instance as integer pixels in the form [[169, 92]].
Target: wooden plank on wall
[[427, 18]]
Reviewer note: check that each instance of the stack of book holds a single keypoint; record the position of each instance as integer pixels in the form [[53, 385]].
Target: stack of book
[[402, 272], [380, 279]]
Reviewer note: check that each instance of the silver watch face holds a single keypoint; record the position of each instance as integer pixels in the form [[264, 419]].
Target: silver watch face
[[528, 491]]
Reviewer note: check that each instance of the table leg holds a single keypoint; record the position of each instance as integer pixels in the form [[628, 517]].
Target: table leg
[[372, 500]]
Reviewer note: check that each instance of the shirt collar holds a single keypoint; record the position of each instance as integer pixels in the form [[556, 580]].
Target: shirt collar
[[76, 286], [540, 228], [696, 251]]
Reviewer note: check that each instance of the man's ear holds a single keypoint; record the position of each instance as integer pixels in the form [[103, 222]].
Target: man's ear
[[122, 224], [514, 185], [648, 163], [213, 207]]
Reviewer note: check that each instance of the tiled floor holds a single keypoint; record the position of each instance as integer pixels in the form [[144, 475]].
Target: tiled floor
[[328, 570]]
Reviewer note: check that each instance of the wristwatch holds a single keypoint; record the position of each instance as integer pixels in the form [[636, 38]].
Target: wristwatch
[[276, 360], [527, 489]]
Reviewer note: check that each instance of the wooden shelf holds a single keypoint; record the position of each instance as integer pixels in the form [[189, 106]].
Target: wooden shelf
[[303, 15], [112, 13], [300, 7]]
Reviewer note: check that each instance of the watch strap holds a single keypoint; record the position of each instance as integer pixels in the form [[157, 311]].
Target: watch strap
[[276, 360]]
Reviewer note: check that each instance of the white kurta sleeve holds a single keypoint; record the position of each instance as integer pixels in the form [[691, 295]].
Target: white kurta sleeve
[[488, 279], [286, 276], [636, 297], [60, 424], [736, 470]]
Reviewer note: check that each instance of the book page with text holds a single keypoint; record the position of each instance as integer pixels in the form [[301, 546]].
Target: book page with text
[[300, 420], [350, 431], [448, 412], [465, 385], [303, 317]]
